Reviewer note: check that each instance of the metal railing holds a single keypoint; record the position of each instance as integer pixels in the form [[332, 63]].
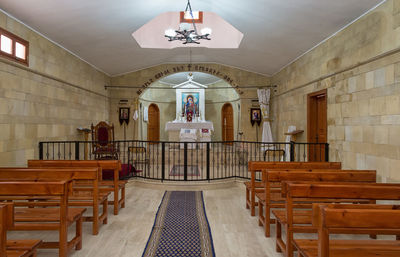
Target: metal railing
[[186, 161]]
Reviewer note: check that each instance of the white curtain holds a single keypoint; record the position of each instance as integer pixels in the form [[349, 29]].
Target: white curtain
[[287, 146], [264, 96], [263, 99]]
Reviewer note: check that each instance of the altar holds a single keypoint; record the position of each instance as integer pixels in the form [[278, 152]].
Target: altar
[[190, 124], [174, 128]]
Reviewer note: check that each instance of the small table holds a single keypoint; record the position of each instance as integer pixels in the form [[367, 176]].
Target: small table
[[86, 132]]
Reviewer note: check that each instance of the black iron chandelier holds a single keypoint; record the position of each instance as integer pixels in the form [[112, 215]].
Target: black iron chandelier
[[187, 31]]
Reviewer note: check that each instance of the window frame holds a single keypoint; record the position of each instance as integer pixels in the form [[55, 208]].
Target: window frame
[[199, 20], [14, 40]]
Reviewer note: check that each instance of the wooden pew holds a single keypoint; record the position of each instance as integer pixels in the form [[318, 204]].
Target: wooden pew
[[14, 248], [352, 219], [108, 186], [271, 196], [79, 197], [258, 166], [300, 221], [51, 218]]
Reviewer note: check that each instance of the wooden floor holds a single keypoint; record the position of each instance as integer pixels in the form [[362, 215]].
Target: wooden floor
[[234, 231]]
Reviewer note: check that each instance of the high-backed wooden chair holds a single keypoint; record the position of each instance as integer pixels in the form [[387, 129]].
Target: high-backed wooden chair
[[104, 146]]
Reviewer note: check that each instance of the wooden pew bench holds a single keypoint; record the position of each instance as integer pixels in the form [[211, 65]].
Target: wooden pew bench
[[300, 221], [80, 196], [58, 218], [271, 197], [255, 167], [14, 248], [352, 219], [115, 186]]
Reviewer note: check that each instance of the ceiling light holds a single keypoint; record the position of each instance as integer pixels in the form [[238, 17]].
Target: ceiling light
[[187, 31], [170, 33], [206, 31]]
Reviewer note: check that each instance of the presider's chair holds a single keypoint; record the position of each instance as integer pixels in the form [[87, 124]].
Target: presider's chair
[[104, 146]]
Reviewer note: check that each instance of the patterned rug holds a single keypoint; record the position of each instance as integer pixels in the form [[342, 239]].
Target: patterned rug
[[179, 170], [181, 227]]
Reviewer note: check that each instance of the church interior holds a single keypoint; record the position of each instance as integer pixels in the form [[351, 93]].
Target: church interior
[[199, 128]]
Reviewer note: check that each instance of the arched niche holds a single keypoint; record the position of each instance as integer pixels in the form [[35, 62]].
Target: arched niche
[[216, 94]]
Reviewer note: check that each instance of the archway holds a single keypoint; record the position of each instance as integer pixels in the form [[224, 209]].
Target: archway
[[227, 127], [153, 127], [218, 93]]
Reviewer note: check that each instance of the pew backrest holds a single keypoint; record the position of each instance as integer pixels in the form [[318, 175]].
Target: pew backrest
[[260, 165], [104, 164], [350, 190], [321, 175], [50, 173]]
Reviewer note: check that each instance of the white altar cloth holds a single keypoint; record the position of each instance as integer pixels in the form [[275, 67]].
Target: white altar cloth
[[178, 125]]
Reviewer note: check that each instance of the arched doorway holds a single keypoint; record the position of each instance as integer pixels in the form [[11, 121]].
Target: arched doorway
[[227, 122], [153, 127]]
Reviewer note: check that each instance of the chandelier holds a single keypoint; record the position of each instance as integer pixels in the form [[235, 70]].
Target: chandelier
[[187, 32]]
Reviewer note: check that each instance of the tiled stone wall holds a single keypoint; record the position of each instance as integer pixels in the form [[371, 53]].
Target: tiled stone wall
[[236, 76], [360, 67], [47, 100]]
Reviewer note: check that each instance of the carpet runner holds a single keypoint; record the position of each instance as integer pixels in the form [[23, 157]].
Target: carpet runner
[[181, 227]]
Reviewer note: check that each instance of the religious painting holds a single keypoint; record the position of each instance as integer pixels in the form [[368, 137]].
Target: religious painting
[[124, 115], [190, 105], [255, 116]]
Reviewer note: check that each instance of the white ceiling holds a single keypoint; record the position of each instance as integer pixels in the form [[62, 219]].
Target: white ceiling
[[275, 31]]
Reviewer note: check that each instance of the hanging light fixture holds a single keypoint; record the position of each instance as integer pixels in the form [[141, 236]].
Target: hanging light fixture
[[187, 32]]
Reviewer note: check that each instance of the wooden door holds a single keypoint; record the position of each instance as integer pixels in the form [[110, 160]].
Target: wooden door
[[317, 125], [227, 122], [153, 126]]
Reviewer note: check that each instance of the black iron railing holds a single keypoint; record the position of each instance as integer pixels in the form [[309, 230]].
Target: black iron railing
[[186, 161]]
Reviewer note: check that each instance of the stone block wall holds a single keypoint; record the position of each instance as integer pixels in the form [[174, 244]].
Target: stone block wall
[[360, 67], [48, 100]]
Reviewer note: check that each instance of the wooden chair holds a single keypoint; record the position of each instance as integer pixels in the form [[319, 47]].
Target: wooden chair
[[257, 166], [352, 219], [104, 146], [114, 186], [272, 198], [51, 218], [300, 221]]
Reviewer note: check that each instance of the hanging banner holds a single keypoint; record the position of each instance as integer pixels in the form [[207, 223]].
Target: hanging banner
[[124, 115]]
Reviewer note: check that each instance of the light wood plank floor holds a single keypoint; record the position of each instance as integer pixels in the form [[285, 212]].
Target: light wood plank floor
[[234, 231]]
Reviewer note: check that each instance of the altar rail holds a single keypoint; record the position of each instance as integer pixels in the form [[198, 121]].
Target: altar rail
[[199, 161]]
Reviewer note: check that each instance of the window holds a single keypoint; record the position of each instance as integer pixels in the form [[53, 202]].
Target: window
[[13, 47]]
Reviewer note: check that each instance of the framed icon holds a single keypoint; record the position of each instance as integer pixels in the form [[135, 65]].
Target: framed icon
[[255, 116]]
